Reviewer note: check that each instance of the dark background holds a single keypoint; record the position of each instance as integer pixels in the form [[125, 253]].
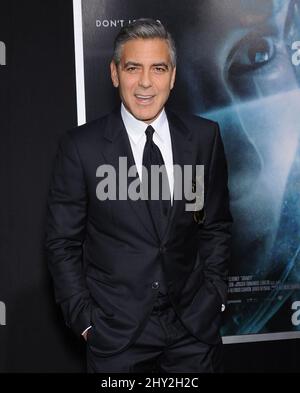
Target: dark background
[[37, 105]]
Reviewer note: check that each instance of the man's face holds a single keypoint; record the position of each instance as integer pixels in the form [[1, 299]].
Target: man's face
[[144, 77]]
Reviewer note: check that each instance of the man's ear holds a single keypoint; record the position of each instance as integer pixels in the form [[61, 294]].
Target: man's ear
[[173, 78], [114, 73]]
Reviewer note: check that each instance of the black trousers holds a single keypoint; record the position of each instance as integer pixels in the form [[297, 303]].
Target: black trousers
[[163, 346]]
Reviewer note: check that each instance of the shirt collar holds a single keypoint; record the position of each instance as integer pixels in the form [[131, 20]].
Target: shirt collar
[[136, 128]]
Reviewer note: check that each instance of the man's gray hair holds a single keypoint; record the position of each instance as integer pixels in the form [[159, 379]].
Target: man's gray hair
[[144, 28]]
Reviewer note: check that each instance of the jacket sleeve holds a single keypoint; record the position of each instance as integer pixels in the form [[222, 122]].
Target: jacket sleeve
[[65, 234], [215, 233]]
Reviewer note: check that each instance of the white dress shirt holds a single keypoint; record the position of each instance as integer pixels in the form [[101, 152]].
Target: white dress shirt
[[161, 137]]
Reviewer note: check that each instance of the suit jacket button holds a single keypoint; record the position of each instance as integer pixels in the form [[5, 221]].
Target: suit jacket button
[[155, 285]]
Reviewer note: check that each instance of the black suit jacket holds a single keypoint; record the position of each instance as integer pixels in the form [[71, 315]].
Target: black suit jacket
[[103, 255]]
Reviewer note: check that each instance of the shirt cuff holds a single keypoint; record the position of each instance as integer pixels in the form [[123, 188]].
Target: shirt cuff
[[85, 330]]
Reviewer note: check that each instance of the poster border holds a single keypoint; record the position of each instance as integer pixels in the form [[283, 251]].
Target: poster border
[[79, 62]]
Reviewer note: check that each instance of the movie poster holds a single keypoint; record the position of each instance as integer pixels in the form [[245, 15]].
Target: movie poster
[[238, 64]]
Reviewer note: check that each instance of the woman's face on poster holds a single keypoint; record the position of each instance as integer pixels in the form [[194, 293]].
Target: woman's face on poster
[[239, 69]]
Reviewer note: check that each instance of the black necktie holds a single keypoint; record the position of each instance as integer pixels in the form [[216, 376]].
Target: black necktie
[[158, 208]]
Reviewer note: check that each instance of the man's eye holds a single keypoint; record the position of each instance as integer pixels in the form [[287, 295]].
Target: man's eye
[[159, 69], [250, 54], [131, 69]]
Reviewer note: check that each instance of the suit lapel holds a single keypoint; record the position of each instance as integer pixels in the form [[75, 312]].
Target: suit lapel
[[117, 145], [182, 151]]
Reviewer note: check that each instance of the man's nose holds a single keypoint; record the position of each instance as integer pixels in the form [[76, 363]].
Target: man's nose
[[145, 79]]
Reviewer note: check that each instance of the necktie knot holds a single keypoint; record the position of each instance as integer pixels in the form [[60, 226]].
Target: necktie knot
[[149, 133]]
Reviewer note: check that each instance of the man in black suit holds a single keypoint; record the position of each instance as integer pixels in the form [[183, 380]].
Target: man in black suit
[[144, 280]]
